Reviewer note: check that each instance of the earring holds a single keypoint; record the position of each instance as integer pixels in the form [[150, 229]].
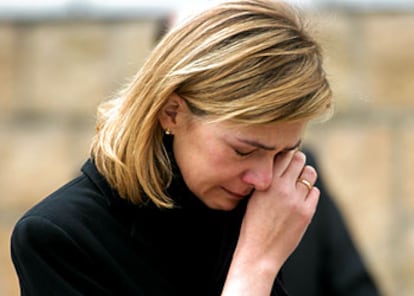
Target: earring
[[168, 132]]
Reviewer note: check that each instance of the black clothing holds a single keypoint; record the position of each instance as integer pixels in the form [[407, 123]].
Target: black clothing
[[85, 240], [326, 262]]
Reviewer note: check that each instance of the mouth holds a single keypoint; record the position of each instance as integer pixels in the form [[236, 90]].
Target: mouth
[[236, 194]]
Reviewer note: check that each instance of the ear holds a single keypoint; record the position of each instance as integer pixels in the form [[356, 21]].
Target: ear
[[171, 111]]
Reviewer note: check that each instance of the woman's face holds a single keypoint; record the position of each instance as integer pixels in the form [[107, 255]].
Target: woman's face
[[222, 163]]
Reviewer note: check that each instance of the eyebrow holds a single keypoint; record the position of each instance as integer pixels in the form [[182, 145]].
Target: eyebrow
[[262, 146]]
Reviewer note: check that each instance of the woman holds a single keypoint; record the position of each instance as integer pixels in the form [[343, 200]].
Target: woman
[[195, 185]]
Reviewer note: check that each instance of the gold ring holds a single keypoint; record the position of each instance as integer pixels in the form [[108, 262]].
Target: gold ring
[[306, 183]]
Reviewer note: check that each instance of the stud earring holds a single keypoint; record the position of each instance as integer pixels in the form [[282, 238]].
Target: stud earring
[[168, 132]]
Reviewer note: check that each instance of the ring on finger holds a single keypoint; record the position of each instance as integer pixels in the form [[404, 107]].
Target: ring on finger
[[306, 183]]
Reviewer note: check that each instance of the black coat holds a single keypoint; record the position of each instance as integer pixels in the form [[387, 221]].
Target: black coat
[[327, 261], [85, 240]]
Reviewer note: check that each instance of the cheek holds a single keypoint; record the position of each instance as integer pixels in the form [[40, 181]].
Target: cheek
[[222, 165], [218, 155], [206, 162], [204, 158], [211, 160]]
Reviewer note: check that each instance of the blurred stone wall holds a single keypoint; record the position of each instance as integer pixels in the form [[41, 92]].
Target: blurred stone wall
[[53, 74]]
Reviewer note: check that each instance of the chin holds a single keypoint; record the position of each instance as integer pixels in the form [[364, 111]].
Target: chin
[[223, 205]]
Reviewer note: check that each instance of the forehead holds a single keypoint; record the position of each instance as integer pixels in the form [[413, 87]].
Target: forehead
[[278, 135]]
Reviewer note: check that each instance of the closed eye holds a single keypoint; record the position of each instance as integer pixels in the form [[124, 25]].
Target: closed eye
[[244, 153]]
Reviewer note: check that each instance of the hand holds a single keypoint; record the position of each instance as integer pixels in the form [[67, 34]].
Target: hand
[[274, 223], [276, 219]]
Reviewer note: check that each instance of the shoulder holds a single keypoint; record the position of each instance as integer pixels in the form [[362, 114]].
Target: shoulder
[[68, 210], [74, 196], [62, 221], [37, 233]]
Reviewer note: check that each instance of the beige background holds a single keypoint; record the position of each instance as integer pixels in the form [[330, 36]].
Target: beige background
[[53, 74]]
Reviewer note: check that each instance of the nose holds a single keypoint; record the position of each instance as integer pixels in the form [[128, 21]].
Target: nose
[[259, 176]]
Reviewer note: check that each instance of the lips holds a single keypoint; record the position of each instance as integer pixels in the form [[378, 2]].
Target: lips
[[236, 194]]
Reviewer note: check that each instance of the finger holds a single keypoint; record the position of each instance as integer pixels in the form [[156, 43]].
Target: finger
[[305, 182], [295, 166], [307, 178], [312, 200], [282, 162]]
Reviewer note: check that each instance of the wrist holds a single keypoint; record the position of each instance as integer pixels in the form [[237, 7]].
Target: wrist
[[250, 272]]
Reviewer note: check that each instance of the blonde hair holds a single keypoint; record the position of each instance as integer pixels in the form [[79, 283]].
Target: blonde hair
[[248, 61]]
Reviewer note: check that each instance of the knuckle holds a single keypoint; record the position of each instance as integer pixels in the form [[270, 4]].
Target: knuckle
[[284, 190], [306, 214]]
